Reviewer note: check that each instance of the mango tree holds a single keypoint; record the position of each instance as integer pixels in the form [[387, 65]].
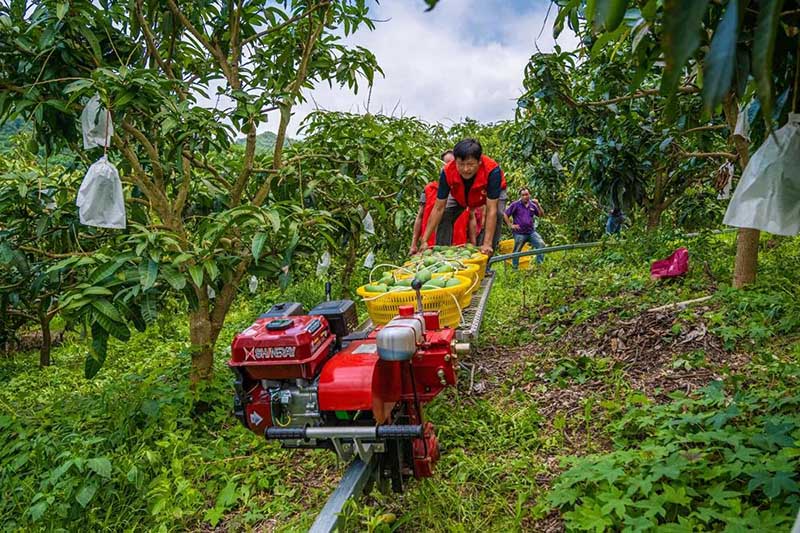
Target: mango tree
[[733, 52], [618, 146], [351, 165], [179, 81]]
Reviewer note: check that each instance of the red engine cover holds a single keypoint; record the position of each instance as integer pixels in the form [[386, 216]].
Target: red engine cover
[[295, 350], [356, 379]]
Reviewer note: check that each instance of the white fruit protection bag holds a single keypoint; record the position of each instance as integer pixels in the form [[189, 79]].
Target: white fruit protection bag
[[101, 202], [96, 124], [768, 195]]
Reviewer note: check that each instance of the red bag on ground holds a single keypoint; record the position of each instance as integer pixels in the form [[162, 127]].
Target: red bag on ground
[[675, 265]]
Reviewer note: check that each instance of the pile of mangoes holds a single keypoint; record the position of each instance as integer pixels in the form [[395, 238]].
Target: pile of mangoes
[[436, 260]]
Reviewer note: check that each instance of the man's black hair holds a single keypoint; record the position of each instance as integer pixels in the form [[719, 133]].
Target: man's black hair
[[468, 148], [524, 189], [445, 153]]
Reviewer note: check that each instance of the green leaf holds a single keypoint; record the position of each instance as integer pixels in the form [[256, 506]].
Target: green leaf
[[176, 280], [97, 356], [149, 309], [107, 308], [681, 37], [61, 10], [118, 330], [258, 245], [97, 291], [86, 494], [212, 268], [100, 466], [196, 271], [148, 273], [769, 14], [274, 219], [92, 40], [720, 61], [37, 511], [284, 279], [609, 14]]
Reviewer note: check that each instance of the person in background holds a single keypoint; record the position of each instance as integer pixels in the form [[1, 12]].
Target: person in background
[[523, 226], [614, 222], [471, 181], [426, 203]]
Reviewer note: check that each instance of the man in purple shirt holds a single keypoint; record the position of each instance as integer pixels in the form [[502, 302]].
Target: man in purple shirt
[[523, 226]]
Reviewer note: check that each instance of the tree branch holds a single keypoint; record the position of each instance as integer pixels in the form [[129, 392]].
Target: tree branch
[[247, 165], [323, 3], [711, 155], [710, 127], [231, 75], [205, 166], [148, 147], [52, 255], [183, 192], [153, 49], [688, 89]]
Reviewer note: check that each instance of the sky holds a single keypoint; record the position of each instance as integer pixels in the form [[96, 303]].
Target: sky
[[465, 58]]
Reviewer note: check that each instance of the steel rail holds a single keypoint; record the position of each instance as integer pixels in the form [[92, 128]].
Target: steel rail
[[355, 480]]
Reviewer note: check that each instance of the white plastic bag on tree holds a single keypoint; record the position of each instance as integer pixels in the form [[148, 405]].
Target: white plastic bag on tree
[[252, 285], [768, 195], [93, 123], [369, 224], [369, 262], [101, 201], [324, 263]]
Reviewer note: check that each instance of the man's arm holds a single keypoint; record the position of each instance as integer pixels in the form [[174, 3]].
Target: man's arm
[[433, 222], [491, 225], [538, 208], [509, 223], [417, 230]]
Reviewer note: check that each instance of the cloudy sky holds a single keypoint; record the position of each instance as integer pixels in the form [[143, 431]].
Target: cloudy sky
[[463, 59]]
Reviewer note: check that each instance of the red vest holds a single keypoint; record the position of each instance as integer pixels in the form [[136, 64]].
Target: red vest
[[459, 228], [477, 193]]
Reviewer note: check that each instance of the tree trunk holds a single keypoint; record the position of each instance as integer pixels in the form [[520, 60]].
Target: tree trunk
[[202, 339], [44, 349], [746, 265], [654, 218], [744, 271]]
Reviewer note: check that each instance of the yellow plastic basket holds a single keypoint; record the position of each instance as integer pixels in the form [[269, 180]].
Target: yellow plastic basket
[[480, 261], [384, 306], [507, 246]]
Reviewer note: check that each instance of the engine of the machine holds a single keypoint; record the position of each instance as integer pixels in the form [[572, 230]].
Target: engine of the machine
[[310, 380]]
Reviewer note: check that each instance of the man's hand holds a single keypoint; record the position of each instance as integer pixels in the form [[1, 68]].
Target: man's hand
[[422, 247], [515, 226], [487, 249], [412, 250]]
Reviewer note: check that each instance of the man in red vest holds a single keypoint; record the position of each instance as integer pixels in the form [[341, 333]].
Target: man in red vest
[[471, 181], [426, 203]]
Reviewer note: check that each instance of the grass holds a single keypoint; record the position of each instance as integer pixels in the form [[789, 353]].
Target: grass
[[123, 452]]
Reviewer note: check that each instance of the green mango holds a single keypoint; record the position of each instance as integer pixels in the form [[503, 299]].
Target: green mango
[[376, 288], [439, 282], [428, 287], [452, 282], [404, 282], [428, 261], [444, 268], [386, 279], [423, 275]]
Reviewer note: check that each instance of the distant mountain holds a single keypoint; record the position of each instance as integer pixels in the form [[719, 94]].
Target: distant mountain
[[265, 142]]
